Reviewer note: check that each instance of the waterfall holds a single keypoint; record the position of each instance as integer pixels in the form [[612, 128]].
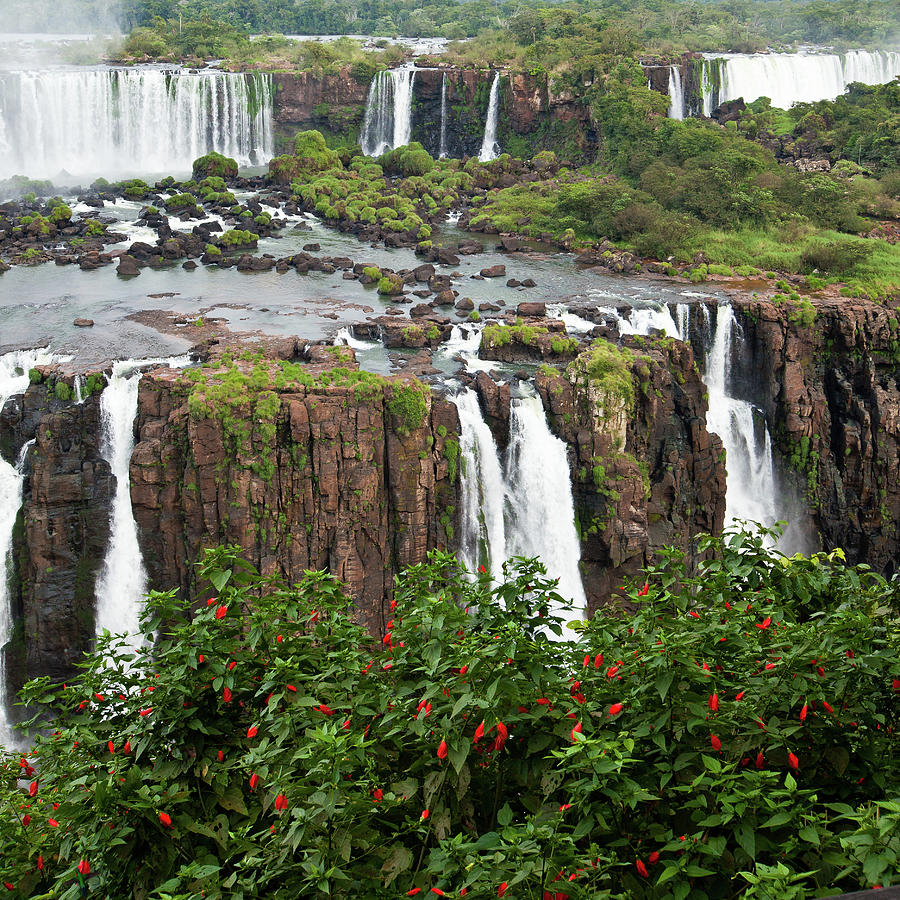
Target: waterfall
[[489, 146], [122, 581], [676, 93], [388, 119], [789, 78], [483, 534], [539, 505], [523, 505], [118, 122], [750, 485], [443, 149]]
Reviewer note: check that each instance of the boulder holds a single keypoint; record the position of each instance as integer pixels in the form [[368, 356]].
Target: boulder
[[497, 271]]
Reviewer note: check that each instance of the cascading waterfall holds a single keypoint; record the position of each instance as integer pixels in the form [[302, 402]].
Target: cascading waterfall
[[523, 505], [539, 505], [388, 119], [785, 78], [750, 486], [443, 148], [131, 121], [489, 148], [123, 579], [676, 93]]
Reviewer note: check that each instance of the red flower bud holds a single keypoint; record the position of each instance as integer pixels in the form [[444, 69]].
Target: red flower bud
[[32, 788], [146, 712], [502, 735], [615, 709], [221, 612], [377, 794], [793, 762], [803, 713], [281, 802], [479, 733], [210, 601], [653, 858], [766, 622], [413, 892], [442, 750], [254, 781], [220, 755], [26, 820], [84, 867], [424, 814], [827, 706], [166, 819], [714, 702], [740, 696], [502, 889], [574, 731], [642, 869], [252, 731], [716, 743], [694, 613], [226, 695]]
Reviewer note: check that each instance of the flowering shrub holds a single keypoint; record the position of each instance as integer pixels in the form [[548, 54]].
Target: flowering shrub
[[734, 736]]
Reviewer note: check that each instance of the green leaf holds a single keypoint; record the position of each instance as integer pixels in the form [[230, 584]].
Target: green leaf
[[399, 861], [746, 837], [233, 800], [219, 578], [810, 835], [780, 818], [504, 816], [663, 683]]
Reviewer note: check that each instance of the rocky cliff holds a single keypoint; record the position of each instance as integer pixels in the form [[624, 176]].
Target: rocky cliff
[[826, 375], [645, 471], [62, 529]]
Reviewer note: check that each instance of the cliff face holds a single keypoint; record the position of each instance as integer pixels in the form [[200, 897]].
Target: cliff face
[[530, 113], [829, 386], [339, 483], [62, 530], [645, 471]]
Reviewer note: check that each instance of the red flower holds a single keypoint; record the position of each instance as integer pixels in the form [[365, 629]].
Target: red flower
[[716, 743], [803, 713], [252, 731], [574, 731], [740, 696], [615, 709], [221, 612], [644, 590], [53, 823], [146, 712], [793, 762], [760, 759], [413, 892], [895, 684], [41, 862], [254, 781], [424, 814], [166, 819], [226, 695], [32, 788], [463, 670], [437, 891], [766, 622], [377, 794], [502, 889], [827, 706], [653, 858], [210, 601], [127, 747], [100, 697], [482, 570], [327, 710], [220, 755], [543, 701], [442, 750], [479, 733], [281, 802], [611, 671], [26, 819], [694, 613], [598, 660], [84, 867], [714, 702], [642, 869]]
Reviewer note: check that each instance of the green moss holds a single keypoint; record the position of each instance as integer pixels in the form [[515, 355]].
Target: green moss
[[410, 404], [609, 368], [451, 454]]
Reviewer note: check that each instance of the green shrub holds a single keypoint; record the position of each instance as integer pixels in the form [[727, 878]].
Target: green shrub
[[837, 257], [214, 164]]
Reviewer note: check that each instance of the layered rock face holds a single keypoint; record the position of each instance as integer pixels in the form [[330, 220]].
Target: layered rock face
[[62, 530], [338, 482], [645, 471], [528, 109], [828, 383]]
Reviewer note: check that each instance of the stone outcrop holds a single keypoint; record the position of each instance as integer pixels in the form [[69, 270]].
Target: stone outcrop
[[646, 473], [335, 478], [827, 378], [62, 530]]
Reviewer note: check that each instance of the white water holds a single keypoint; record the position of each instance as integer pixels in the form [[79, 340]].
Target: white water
[[489, 147], [643, 319], [751, 493], [119, 122], [786, 78], [523, 505], [676, 93], [123, 579], [388, 120], [13, 380], [345, 338], [443, 148]]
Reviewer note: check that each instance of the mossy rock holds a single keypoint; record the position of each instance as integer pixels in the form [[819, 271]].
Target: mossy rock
[[216, 165]]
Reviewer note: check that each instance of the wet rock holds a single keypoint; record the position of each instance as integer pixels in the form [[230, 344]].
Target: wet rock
[[495, 404], [513, 283], [497, 271], [447, 258], [128, 267], [537, 310], [424, 273], [529, 283], [420, 310], [83, 323], [465, 304], [444, 298]]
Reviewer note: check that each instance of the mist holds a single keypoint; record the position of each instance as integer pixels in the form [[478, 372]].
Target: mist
[[61, 16]]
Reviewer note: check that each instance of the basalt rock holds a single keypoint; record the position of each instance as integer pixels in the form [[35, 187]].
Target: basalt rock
[[827, 379], [349, 484], [646, 473]]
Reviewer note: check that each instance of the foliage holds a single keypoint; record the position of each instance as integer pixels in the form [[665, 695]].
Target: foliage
[[736, 729], [214, 165]]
